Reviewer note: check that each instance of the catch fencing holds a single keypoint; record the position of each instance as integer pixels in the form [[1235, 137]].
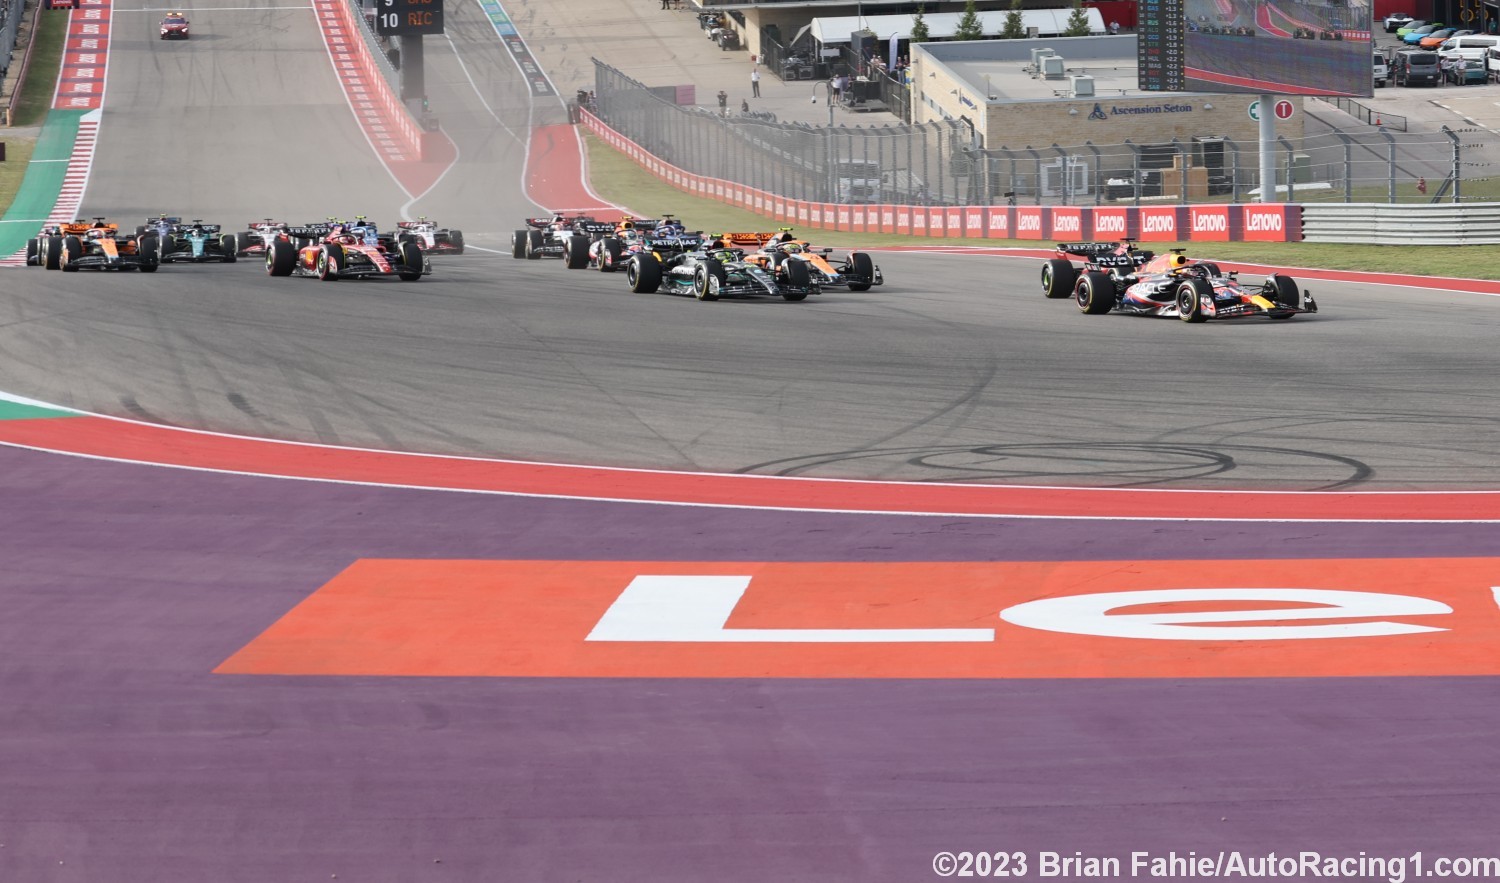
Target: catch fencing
[[11, 13], [938, 164]]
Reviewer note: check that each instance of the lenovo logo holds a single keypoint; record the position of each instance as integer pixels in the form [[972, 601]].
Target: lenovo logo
[[1109, 224], [1159, 224], [1029, 222], [1066, 224], [1266, 222], [1209, 222]]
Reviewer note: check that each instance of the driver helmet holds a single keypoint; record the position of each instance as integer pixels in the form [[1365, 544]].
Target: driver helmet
[[96, 233], [629, 235], [1177, 261], [792, 248]]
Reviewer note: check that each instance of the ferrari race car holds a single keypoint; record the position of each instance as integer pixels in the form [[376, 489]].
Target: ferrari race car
[[431, 238], [197, 243], [1170, 285], [855, 271], [712, 273], [345, 252], [97, 246], [174, 26]]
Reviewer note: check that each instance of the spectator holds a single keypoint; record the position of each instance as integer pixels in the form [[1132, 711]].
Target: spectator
[[723, 103], [754, 83], [666, 4], [1114, 28], [744, 105]]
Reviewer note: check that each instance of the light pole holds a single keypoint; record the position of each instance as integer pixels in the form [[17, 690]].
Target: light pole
[[827, 136]]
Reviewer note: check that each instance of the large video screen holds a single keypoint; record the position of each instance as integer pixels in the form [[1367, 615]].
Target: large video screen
[[1287, 47]]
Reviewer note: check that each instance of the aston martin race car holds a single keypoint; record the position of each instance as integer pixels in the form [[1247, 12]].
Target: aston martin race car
[[99, 246], [709, 274], [432, 238], [1172, 285], [855, 271], [174, 26], [345, 252], [197, 243]]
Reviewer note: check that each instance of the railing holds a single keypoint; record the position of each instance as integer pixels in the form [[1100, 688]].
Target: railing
[[19, 86], [1367, 115]]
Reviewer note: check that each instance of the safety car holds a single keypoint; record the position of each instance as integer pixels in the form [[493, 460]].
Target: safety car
[[174, 26]]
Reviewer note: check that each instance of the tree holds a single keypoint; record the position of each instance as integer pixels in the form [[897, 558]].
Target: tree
[[1013, 29], [1078, 22], [919, 32], [969, 27]]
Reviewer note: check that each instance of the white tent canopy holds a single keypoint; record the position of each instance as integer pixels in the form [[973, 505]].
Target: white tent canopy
[[942, 25]]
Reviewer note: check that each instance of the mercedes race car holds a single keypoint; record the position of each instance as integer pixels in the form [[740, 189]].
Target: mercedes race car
[[712, 273], [855, 271], [197, 243], [345, 252], [174, 26], [1116, 278], [432, 238], [97, 246]]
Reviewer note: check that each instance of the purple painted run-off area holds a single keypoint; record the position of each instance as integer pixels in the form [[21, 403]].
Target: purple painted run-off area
[[123, 759]]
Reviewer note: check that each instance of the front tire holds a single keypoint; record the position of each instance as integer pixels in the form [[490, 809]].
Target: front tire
[[1058, 278], [411, 261], [1190, 295], [148, 249], [226, 242], [1285, 292], [609, 255], [797, 277], [1095, 293], [861, 266], [456, 239], [330, 259], [708, 280], [72, 250], [33, 247]]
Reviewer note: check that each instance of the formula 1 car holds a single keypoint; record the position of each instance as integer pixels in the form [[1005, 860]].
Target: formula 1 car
[[709, 274], [855, 271], [197, 243], [1120, 258], [174, 26], [258, 236], [432, 238], [38, 251], [553, 237], [344, 253], [1172, 285], [99, 246]]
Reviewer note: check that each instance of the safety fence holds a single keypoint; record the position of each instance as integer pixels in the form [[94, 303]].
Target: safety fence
[[11, 13], [938, 164], [17, 12], [354, 45]]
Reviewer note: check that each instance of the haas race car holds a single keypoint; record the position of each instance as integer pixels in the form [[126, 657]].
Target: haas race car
[[345, 252], [1116, 276], [97, 246], [432, 238]]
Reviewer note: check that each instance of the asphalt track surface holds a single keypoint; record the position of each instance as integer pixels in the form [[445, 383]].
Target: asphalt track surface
[[128, 758]]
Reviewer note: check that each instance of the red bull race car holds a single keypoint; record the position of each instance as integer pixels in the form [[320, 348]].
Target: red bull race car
[[345, 251], [1117, 277]]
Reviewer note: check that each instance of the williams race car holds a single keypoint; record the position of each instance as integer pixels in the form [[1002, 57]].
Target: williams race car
[[99, 246], [1172, 285], [346, 254], [197, 243], [432, 238], [709, 274]]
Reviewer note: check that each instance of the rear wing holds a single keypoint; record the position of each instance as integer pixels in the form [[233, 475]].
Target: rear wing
[[153, 222], [266, 224], [748, 238], [644, 224], [206, 228], [680, 242], [1093, 249], [310, 231], [593, 226]]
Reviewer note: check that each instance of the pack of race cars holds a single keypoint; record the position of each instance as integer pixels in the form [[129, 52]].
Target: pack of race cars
[[661, 255]]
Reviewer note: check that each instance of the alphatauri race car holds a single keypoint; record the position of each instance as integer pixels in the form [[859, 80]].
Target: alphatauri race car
[[99, 246], [346, 254], [432, 238], [1172, 285], [709, 274], [197, 243]]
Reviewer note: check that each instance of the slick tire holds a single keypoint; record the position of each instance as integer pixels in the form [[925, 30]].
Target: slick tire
[[52, 256], [534, 242], [281, 258], [798, 280], [456, 239], [226, 242], [1190, 295], [609, 255], [1095, 293], [577, 252], [1059, 278], [72, 250], [709, 279], [330, 259], [861, 266], [643, 273], [518, 244], [411, 261]]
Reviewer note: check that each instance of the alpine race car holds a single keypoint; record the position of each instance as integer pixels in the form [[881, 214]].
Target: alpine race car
[[432, 238], [197, 243], [174, 26], [345, 252], [99, 246], [712, 273], [1172, 285], [855, 271]]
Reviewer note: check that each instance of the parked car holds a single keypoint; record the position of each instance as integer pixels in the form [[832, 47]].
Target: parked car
[[1396, 20], [1382, 70], [1417, 67]]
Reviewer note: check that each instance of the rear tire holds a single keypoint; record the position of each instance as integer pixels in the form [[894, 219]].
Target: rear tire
[[411, 256], [1190, 296], [1095, 293], [456, 239], [226, 242], [643, 273], [576, 252], [1058, 278], [281, 258], [798, 277], [518, 244], [861, 266], [52, 256], [534, 245]]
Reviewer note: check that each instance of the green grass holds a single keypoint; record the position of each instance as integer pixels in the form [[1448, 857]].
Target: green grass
[[17, 155], [617, 178], [41, 77]]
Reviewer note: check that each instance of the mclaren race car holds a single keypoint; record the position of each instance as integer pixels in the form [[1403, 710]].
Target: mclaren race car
[[197, 243], [432, 238], [1175, 286], [345, 252], [99, 246], [709, 274], [855, 271]]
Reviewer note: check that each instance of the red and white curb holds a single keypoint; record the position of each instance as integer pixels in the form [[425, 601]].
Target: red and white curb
[[381, 116], [75, 180]]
